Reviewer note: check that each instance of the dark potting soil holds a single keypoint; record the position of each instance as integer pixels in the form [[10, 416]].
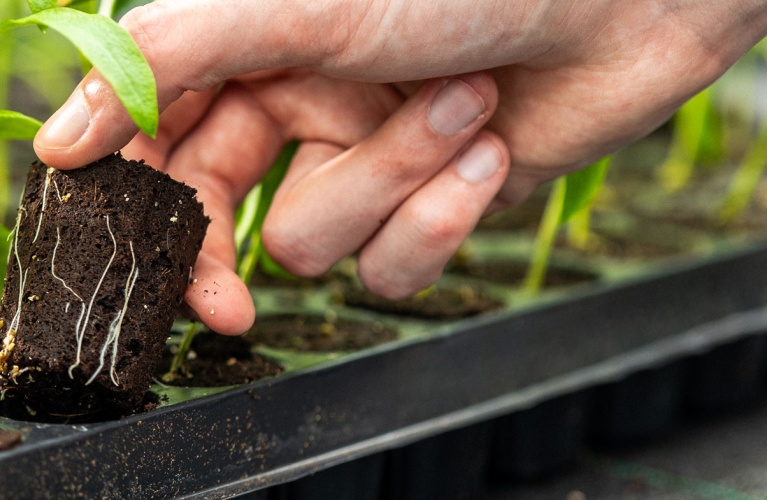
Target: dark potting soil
[[100, 260], [433, 303], [620, 247], [508, 272], [315, 333], [526, 216], [216, 361], [261, 279]]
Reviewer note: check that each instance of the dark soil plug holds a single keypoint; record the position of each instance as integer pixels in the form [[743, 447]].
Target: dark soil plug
[[99, 262]]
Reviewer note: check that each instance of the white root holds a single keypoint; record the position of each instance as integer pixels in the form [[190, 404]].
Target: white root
[[53, 268], [9, 342], [58, 193], [113, 337], [48, 175], [14, 326], [111, 343], [80, 329], [79, 341]]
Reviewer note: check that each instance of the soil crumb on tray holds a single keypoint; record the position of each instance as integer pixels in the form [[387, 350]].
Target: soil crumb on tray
[[10, 439], [100, 259]]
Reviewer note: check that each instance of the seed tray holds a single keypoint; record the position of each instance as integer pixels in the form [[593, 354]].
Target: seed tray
[[515, 393]]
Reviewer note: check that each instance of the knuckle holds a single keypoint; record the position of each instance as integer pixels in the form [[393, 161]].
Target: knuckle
[[292, 252], [437, 228], [383, 283], [147, 27], [352, 38], [397, 281]]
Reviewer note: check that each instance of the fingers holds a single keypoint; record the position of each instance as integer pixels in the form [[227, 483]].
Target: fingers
[[175, 122], [222, 167], [337, 207], [190, 45], [219, 298], [197, 44], [411, 250]]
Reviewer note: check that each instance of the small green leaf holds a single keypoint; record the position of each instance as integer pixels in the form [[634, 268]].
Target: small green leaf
[[16, 126], [38, 5], [112, 51], [581, 187]]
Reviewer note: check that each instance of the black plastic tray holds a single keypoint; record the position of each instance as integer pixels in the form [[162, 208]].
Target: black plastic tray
[[472, 383]]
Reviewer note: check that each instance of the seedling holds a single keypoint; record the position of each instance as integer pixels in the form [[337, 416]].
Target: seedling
[[570, 195], [250, 220], [696, 138], [751, 169], [251, 254], [109, 48]]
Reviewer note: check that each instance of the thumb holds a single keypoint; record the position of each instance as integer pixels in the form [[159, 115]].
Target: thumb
[[190, 45]]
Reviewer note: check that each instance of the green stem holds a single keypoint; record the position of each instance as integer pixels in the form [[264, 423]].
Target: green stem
[[107, 8], [579, 228], [746, 178], [256, 254], [179, 358], [690, 124], [544, 240]]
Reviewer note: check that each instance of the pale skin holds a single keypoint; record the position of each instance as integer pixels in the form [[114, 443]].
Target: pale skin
[[415, 118]]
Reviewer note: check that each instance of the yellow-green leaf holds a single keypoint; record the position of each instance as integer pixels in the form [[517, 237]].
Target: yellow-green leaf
[[581, 187], [38, 5], [16, 126], [112, 51]]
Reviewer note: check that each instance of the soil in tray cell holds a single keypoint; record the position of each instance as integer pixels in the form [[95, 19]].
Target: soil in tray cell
[[510, 272], [317, 333], [218, 361], [432, 303]]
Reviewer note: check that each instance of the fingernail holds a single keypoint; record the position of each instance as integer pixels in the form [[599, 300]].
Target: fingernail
[[67, 125], [478, 162], [455, 107]]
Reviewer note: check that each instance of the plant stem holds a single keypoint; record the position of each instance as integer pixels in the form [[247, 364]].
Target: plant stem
[[690, 124], [544, 240], [179, 358], [253, 219], [579, 228], [746, 178], [106, 8]]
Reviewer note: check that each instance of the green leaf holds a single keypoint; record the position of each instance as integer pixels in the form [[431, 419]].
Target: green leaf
[[581, 187], [251, 216], [16, 126], [38, 5], [112, 51], [123, 6]]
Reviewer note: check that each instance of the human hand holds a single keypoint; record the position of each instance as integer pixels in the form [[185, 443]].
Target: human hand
[[575, 82]]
